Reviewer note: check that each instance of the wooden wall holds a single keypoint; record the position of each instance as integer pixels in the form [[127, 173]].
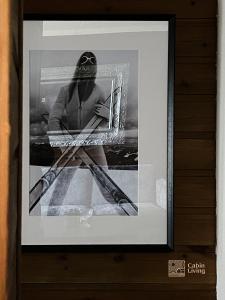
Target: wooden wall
[[109, 276]]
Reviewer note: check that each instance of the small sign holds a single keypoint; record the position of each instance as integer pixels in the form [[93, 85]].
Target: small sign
[[176, 268]]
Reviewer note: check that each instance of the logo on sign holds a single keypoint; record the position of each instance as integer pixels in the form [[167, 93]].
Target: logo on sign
[[176, 268]]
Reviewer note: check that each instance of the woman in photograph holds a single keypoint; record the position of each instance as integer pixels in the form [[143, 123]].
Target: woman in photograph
[[75, 106], [79, 101]]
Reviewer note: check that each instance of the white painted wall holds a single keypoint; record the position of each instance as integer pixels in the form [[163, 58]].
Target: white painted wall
[[221, 154]]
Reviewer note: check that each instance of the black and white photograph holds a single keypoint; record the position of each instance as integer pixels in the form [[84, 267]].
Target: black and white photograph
[[83, 133], [97, 132]]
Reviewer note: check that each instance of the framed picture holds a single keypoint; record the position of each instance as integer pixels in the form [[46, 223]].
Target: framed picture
[[97, 157]]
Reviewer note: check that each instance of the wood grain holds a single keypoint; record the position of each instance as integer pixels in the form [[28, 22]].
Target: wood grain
[[182, 9], [112, 268], [195, 173], [194, 154], [195, 98], [194, 192], [195, 79], [195, 117], [170, 286], [195, 229], [196, 38], [111, 292]]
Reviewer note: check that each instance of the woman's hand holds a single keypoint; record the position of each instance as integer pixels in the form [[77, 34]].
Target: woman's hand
[[102, 111]]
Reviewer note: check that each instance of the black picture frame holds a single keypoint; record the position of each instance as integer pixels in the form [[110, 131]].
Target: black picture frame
[[170, 137]]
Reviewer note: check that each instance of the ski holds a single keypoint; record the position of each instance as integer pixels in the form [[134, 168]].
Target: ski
[[43, 184]]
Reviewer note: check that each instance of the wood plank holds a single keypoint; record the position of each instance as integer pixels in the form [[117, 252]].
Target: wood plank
[[195, 116], [194, 192], [195, 98], [182, 9], [195, 173], [170, 286], [111, 292], [195, 229], [194, 154], [209, 211], [196, 60], [195, 135], [203, 249], [112, 268], [196, 37], [195, 79]]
